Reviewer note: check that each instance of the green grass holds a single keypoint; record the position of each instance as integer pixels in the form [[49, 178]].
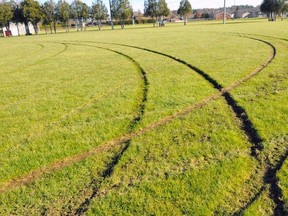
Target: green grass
[[66, 94]]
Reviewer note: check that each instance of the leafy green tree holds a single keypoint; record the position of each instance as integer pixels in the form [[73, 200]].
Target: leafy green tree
[[99, 12], [156, 9], [6, 15], [79, 12], [163, 10], [184, 10], [63, 13], [237, 13], [32, 13], [114, 9], [49, 15], [18, 16], [45, 20], [271, 7], [150, 9], [125, 11], [284, 9], [121, 10]]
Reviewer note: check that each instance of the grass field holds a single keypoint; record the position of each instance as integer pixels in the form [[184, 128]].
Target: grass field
[[180, 120]]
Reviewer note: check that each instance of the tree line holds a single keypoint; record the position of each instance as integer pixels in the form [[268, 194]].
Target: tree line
[[274, 7], [50, 13]]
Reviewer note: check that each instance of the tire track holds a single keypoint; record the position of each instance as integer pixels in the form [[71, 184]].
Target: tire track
[[42, 47], [247, 126], [69, 114], [89, 194], [136, 118], [24, 179], [39, 89], [275, 192], [30, 55], [50, 126], [37, 62], [270, 182], [260, 35], [270, 179], [107, 146], [240, 113]]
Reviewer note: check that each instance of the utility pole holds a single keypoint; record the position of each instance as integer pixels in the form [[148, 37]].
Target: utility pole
[[112, 26], [224, 13]]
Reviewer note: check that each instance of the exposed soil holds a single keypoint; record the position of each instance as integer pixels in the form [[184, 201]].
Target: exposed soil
[[250, 131]]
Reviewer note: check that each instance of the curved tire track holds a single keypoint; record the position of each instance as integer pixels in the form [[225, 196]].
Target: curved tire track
[[88, 197], [270, 179], [26, 56], [120, 140], [241, 114], [239, 111], [37, 90], [39, 61], [50, 126]]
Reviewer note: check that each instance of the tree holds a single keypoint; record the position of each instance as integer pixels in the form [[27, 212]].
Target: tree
[[99, 12], [18, 16], [79, 12], [125, 11], [163, 10], [32, 13], [184, 10], [150, 9], [49, 15], [45, 20], [271, 7], [238, 13], [6, 15], [114, 9], [63, 13], [157, 9], [284, 9], [121, 10]]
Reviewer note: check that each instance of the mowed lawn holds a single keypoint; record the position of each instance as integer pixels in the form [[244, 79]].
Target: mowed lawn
[[137, 121]]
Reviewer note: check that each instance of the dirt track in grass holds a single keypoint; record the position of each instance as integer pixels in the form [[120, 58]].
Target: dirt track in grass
[[57, 165]]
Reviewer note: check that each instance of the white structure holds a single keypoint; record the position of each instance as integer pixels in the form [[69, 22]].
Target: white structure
[[22, 31]]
